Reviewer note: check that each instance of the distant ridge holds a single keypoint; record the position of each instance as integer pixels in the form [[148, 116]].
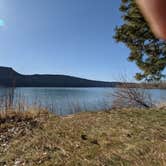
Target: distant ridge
[[10, 78]]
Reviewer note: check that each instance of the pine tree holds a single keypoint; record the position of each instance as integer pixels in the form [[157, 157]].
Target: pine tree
[[148, 52]]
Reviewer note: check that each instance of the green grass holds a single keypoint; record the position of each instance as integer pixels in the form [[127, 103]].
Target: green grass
[[113, 138]]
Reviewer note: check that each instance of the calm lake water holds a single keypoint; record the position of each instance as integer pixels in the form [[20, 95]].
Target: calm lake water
[[65, 101]]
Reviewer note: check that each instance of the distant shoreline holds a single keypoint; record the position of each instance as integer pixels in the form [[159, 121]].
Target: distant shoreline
[[11, 78]]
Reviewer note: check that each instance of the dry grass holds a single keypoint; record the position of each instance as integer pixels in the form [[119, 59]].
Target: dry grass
[[119, 137]]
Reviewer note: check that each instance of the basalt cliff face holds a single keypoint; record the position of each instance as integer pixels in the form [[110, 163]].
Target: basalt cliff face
[[10, 78]]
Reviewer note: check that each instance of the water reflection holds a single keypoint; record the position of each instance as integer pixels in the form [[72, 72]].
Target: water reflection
[[65, 100], [6, 97]]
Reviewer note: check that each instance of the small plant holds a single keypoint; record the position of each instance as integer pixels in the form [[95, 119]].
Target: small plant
[[127, 97]]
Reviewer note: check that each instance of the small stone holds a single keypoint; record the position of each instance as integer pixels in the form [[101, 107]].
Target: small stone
[[129, 135], [95, 142], [17, 163], [84, 137]]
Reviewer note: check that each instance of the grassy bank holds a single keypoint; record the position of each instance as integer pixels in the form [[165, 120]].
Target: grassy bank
[[119, 137]]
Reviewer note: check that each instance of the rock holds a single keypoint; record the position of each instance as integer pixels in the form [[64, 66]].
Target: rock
[[95, 142], [84, 137]]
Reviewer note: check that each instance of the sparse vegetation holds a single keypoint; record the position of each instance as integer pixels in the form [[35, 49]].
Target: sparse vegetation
[[117, 137], [130, 97], [121, 136]]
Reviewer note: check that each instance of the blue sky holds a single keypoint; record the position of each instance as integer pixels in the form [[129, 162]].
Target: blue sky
[[72, 37]]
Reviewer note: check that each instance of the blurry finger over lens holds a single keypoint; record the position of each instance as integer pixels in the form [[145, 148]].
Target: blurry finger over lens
[[155, 13]]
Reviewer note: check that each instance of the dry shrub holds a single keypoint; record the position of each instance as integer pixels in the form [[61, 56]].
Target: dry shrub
[[129, 97], [161, 105]]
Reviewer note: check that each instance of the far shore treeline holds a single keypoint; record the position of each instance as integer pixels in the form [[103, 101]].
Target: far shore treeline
[[10, 78]]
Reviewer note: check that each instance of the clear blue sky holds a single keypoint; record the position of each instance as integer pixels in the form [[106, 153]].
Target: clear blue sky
[[72, 37]]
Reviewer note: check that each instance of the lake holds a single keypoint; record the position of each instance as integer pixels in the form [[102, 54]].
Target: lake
[[64, 101]]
